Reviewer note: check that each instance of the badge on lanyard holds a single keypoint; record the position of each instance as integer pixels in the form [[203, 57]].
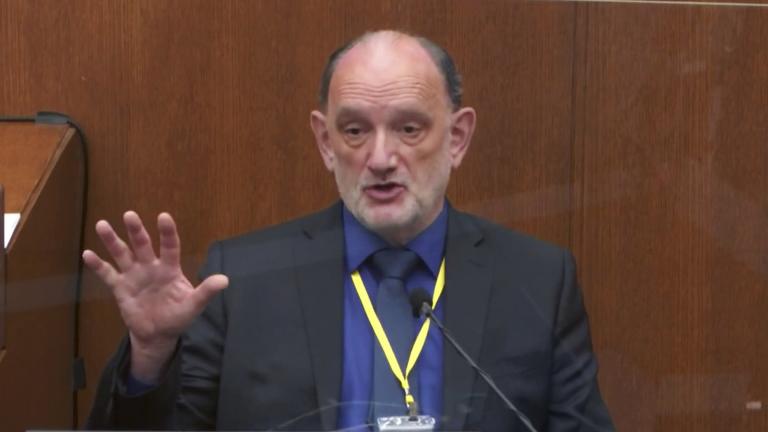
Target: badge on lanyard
[[413, 421], [422, 423]]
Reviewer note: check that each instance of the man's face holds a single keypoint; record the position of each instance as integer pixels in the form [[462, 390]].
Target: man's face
[[389, 136]]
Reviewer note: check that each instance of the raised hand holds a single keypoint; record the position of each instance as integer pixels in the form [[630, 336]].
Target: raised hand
[[155, 298]]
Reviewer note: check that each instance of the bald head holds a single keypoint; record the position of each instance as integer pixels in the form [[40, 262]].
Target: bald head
[[374, 45]]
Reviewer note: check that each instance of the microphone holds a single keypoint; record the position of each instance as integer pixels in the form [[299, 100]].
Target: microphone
[[420, 304], [418, 299]]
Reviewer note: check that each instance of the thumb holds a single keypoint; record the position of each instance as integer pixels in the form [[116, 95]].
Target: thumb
[[209, 287]]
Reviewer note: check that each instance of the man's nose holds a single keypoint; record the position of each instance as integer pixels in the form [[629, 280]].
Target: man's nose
[[383, 156]]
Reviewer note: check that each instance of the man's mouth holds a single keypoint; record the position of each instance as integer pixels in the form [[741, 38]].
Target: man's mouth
[[384, 191]]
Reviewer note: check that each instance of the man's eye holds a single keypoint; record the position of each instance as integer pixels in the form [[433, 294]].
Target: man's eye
[[411, 129], [353, 131]]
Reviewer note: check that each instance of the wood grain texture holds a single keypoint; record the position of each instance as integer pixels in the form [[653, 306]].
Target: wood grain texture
[[26, 154], [517, 60], [670, 158], [2, 277], [42, 267]]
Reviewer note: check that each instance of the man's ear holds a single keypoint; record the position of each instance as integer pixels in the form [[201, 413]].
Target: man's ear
[[461, 134], [317, 121]]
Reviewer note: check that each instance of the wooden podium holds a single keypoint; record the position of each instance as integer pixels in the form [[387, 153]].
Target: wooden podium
[[42, 174]]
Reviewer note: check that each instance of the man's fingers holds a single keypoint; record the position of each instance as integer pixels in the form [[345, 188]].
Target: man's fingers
[[116, 247], [137, 235], [103, 269], [209, 287], [170, 246]]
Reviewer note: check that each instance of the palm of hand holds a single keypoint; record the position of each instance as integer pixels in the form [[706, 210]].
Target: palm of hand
[[156, 300]]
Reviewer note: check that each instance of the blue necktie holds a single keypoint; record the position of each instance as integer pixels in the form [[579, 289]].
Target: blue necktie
[[394, 311]]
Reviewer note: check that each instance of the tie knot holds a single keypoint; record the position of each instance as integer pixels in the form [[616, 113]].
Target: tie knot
[[394, 263]]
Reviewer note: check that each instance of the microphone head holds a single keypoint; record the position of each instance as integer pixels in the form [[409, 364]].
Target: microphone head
[[418, 298]]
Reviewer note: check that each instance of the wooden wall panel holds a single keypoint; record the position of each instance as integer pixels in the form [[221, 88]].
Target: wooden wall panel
[[517, 60], [671, 211], [201, 108]]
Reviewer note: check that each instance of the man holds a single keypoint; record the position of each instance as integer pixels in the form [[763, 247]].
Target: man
[[289, 343]]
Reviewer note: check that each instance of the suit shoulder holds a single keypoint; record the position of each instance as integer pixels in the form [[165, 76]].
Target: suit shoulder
[[285, 231], [510, 241], [519, 263], [268, 248]]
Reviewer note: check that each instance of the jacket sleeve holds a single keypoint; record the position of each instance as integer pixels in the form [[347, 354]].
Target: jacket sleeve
[[187, 394], [576, 404]]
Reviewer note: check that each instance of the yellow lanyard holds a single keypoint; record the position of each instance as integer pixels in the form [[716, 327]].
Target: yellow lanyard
[[381, 335]]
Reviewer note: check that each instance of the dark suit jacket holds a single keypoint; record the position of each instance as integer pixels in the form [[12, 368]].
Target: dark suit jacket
[[267, 351]]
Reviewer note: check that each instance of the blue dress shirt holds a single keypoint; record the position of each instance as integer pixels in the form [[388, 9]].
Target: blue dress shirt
[[359, 341]]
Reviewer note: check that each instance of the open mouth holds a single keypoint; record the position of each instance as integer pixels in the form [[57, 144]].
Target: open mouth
[[385, 187], [384, 191]]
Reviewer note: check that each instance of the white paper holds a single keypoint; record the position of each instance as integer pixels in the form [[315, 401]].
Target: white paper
[[10, 220]]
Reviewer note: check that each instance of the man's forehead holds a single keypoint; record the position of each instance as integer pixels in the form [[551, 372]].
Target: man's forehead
[[383, 48], [387, 66]]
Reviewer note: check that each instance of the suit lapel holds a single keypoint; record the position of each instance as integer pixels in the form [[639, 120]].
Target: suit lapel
[[319, 258], [467, 290]]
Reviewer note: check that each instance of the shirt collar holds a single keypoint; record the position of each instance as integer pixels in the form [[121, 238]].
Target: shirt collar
[[361, 242]]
